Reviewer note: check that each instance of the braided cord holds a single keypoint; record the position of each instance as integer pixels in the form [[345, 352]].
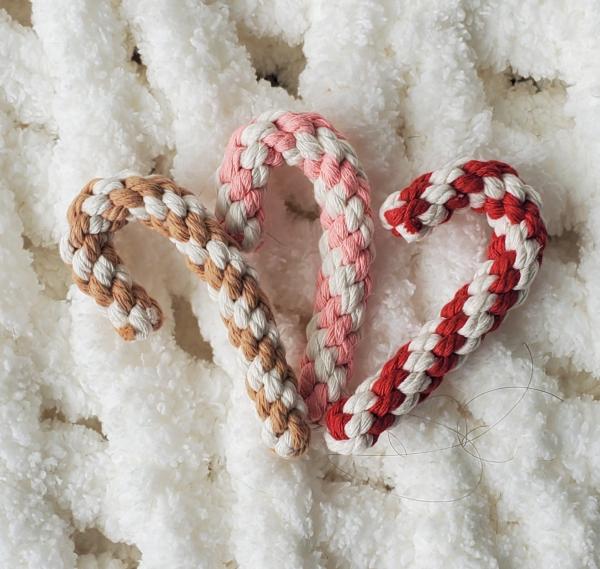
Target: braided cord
[[342, 191], [106, 205], [502, 282]]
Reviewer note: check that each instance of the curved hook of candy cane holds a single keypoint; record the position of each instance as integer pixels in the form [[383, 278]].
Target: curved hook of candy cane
[[512, 209], [106, 205], [342, 191]]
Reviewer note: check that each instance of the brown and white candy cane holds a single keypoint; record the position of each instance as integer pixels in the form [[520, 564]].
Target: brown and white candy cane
[[106, 205], [512, 209]]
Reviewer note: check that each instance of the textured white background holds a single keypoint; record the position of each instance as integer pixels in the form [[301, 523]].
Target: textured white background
[[116, 455]]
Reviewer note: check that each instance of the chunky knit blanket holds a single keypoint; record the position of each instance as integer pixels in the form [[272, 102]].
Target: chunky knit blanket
[[115, 455]]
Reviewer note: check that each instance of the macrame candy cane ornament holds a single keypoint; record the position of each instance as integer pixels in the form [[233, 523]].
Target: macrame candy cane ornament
[[342, 191], [106, 205], [502, 282]]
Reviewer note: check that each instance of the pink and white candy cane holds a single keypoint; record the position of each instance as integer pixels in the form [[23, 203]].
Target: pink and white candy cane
[[512, 209], [342, 191]]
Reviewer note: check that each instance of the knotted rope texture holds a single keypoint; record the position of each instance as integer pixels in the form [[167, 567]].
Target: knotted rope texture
[[342, 191], [106, 205], [502, 282]]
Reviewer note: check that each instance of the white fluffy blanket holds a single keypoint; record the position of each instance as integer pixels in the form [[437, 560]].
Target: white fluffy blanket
[[116, 455]]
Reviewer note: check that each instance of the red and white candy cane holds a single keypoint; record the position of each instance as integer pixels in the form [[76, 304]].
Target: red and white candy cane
[[512, 209], [342, 191]]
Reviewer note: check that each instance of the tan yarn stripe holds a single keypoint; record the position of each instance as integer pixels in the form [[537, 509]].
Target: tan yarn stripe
[[236, 285]]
